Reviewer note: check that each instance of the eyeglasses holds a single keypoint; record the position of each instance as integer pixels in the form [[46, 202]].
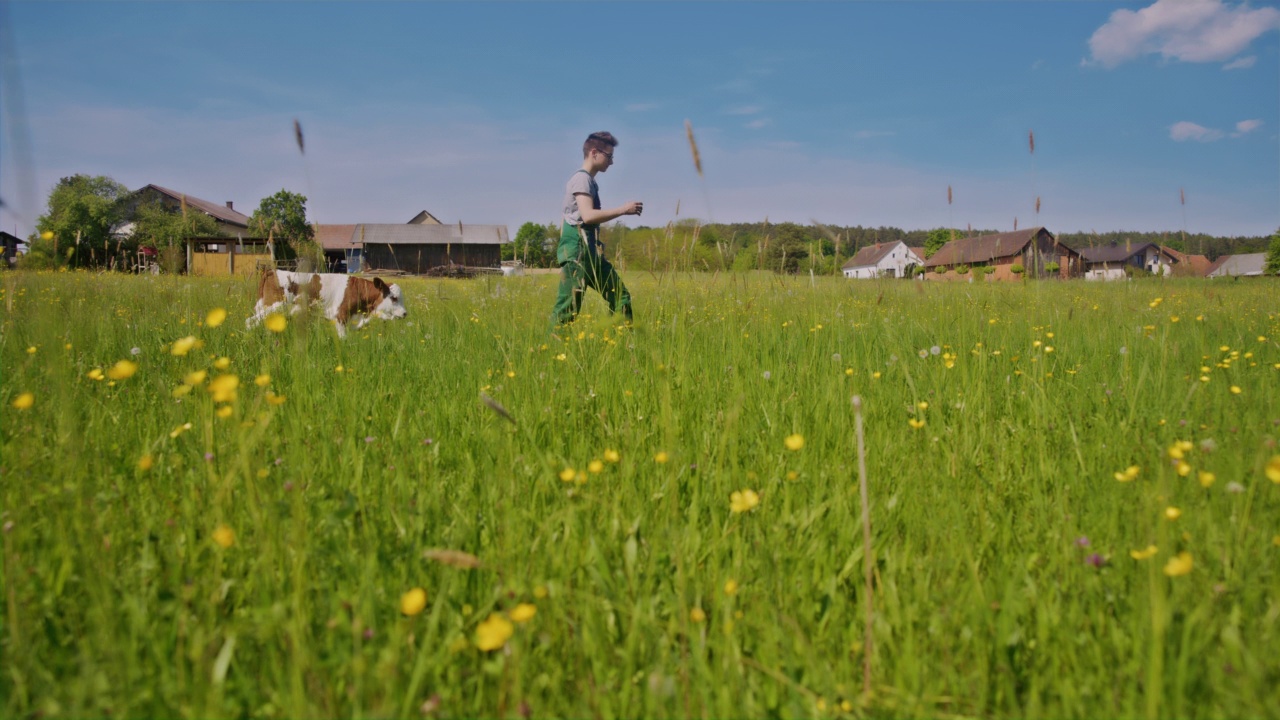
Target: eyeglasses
[[606, 154]]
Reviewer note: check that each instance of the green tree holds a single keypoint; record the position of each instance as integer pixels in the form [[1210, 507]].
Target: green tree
[[283, 215], [82, 212], [939, 237], [529, 246], [1273, 256], [788, 249]]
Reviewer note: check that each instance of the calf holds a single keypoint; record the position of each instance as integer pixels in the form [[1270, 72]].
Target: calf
[[341, 296]]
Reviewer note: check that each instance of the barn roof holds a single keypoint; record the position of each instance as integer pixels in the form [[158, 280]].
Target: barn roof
[[986, 248], [459, 234], [335, 237], [1245, 264]]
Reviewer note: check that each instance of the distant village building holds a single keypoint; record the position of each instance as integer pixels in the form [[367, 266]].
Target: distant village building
[[424, 218], [1116, 261], [1188, 265], [416, 249], [1249, 264], [890, 259], [1011, 255]]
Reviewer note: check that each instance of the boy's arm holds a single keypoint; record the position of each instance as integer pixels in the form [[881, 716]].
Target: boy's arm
[[591, 216]]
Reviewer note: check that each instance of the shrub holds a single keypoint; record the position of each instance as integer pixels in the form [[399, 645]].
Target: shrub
[[1017, 269], [1052, 267], [962, 269]]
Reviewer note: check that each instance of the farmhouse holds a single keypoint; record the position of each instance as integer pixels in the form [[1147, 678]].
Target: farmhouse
[[341, 253], [1188, 265], [1117, 262], [1011, 254], [416, 249], [892, 259], [11, 243], [230, 221], [1249, 264]]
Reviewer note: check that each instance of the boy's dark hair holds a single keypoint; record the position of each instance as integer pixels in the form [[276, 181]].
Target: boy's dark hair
[[602, 141]]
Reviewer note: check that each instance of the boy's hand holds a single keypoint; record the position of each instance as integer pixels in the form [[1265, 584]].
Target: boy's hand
[[635, 207]]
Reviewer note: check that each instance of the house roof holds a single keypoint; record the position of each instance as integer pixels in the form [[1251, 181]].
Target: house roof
[[424, 218], [458, 234], [1247, 264], [218, 212], [985, 248], [871, 255], [335, 237], [1199, 264], [1117, 253]]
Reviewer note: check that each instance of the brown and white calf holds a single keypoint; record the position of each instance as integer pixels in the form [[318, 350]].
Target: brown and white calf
[[342, 297]]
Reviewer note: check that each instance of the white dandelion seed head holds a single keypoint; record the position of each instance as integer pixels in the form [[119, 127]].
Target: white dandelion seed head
[[1235, 488], [935, 350], [135, 351], [1124, 350], [767, 374], [923, 353], [835, 357]]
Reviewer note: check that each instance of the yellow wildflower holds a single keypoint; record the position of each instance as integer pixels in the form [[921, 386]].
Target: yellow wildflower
[[223, 412], [222, 363], [1235, 390], [274, 399], [612, 455], [224, 536], [1128, 474], [540, 592], [1273, 469], [731, 587], [413, 602], [31, 350], [180, 391], [24, 401], [262, 380], [915, 424], [215, 317], [1180, 565], [595, 466], [794, 442], [224, 387], [276, 322], [46, 235], [697, 615], [1206, 478], [1144, 553], [494, 632], [95, 374], [523, 612], [567, 474], [1183, 468], [145, 462], [195, 377], [1172, 513], [741, 501], [661, 457], [182, 346], [122, 370]]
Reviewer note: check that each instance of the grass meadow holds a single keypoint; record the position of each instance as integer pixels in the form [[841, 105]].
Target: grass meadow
[[1074, 499]]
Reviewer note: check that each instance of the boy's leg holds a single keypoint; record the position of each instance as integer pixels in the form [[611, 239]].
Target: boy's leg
[[605, 279], [569, 298]]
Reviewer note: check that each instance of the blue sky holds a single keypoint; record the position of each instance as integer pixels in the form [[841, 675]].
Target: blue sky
[[848, 113]]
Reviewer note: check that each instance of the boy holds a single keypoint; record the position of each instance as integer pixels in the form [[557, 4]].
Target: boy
[[580, 253]]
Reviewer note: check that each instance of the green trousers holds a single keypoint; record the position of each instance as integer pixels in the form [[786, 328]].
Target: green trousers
[[582, 267]]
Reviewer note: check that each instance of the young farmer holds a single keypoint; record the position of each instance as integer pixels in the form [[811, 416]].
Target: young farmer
[[580, 253]]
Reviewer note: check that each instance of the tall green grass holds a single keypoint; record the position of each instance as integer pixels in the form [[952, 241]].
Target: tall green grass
[[1005, 585]]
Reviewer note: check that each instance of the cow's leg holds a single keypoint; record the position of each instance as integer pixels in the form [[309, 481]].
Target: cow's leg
[[342, 328]]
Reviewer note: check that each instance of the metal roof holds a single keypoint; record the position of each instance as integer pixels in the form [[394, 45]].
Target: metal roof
[[335, 237], [1247, 264], [454, 234], [1117, 253]]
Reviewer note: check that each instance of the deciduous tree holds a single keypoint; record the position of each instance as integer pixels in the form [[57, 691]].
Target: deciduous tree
[[82, 212]]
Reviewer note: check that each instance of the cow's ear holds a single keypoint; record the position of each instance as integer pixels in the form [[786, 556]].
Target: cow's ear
[[382, 286]]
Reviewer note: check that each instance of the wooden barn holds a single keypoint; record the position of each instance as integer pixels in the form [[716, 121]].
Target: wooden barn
[[1031, 249], [416, 249]]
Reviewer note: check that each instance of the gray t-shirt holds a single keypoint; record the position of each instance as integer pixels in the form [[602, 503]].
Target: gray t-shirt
[[580, 182]]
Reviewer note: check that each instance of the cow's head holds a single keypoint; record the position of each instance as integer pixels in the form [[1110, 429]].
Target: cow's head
[[392, 304]]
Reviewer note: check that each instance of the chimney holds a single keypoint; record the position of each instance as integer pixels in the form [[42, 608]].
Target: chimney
[[229, 206]]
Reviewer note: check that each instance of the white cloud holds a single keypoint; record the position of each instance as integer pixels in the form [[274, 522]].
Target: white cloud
[[1184, 130], [1186, 30], [1245, 127], [1241, 63], [868, 134], [759, 123], [745, 110]]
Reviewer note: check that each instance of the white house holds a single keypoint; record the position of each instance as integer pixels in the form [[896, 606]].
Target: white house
[[892, 259]]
